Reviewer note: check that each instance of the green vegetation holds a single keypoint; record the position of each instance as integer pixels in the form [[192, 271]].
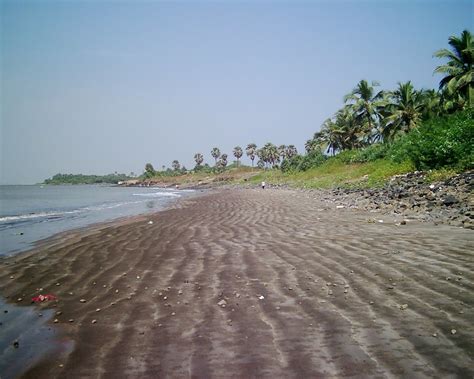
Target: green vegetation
[[87, 179], [375, 135]]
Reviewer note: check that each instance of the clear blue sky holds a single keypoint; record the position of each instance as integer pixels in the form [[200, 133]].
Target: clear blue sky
[[95, 87]]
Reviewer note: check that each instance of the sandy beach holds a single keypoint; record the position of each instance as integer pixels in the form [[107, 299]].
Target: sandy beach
[[250, 284]]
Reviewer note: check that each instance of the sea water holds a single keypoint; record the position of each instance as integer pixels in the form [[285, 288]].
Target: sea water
[[31, 213]]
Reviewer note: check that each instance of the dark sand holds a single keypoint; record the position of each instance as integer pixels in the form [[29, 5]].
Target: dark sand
[[342, 297]]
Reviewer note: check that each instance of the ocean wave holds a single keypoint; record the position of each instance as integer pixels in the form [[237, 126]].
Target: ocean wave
[[158, 194], [59, 214], [36, 215]]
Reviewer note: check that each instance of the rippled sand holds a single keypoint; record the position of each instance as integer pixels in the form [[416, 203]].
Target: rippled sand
[[309, 290]]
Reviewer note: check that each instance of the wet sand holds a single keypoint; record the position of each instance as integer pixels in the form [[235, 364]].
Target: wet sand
[[305, 290]]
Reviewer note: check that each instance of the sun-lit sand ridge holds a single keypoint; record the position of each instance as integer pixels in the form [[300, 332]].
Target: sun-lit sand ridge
[[252, 283]]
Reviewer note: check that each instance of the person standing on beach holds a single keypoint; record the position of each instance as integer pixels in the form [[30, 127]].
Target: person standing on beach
[[263, 185]]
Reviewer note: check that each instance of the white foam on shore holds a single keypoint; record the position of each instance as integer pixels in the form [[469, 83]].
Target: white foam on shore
[[158, 194]]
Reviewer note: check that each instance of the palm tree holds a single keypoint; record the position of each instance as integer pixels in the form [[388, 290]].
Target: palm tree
[[199, 158], [175, 164], [282, 151], [216, 153], [238, 154], [432, 103], [271, 153], [291, 151], [365, 103], [404, 111], [251, 151], [459, 69], [222, 163]]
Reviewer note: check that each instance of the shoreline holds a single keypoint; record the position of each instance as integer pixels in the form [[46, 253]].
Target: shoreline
[[158, 288]]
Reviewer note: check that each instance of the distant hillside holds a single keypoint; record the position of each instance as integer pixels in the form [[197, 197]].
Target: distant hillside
[[86, 179]]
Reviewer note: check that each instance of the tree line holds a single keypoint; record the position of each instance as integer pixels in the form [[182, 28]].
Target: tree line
[[368, 116]]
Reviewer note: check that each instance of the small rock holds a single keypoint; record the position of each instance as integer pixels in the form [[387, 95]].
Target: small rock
[[59, 313], [82, 300], [150, 222], [56, 321], [180, 292], [16, 344], [58, 284], [61, 365], [71, 320], [94, 321], [261, 297], [403, 306], [97, 310], [403, 222], [222, 303], [453, 331], [435, 334]]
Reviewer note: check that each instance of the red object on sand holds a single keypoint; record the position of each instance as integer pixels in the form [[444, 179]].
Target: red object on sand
[[40, 298]]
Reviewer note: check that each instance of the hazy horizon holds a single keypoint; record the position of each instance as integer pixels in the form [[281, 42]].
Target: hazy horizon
[[98, 87]]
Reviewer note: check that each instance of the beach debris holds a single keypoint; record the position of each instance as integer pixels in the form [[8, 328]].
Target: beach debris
[[150, 222], [82, 300], [40, 298], [16, 344], [339, 206], [453, 331], [222, 303], [380, 221], [261, 297]]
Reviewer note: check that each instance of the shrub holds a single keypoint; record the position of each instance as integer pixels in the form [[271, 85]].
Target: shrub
[[303, 162], [439, 142]]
